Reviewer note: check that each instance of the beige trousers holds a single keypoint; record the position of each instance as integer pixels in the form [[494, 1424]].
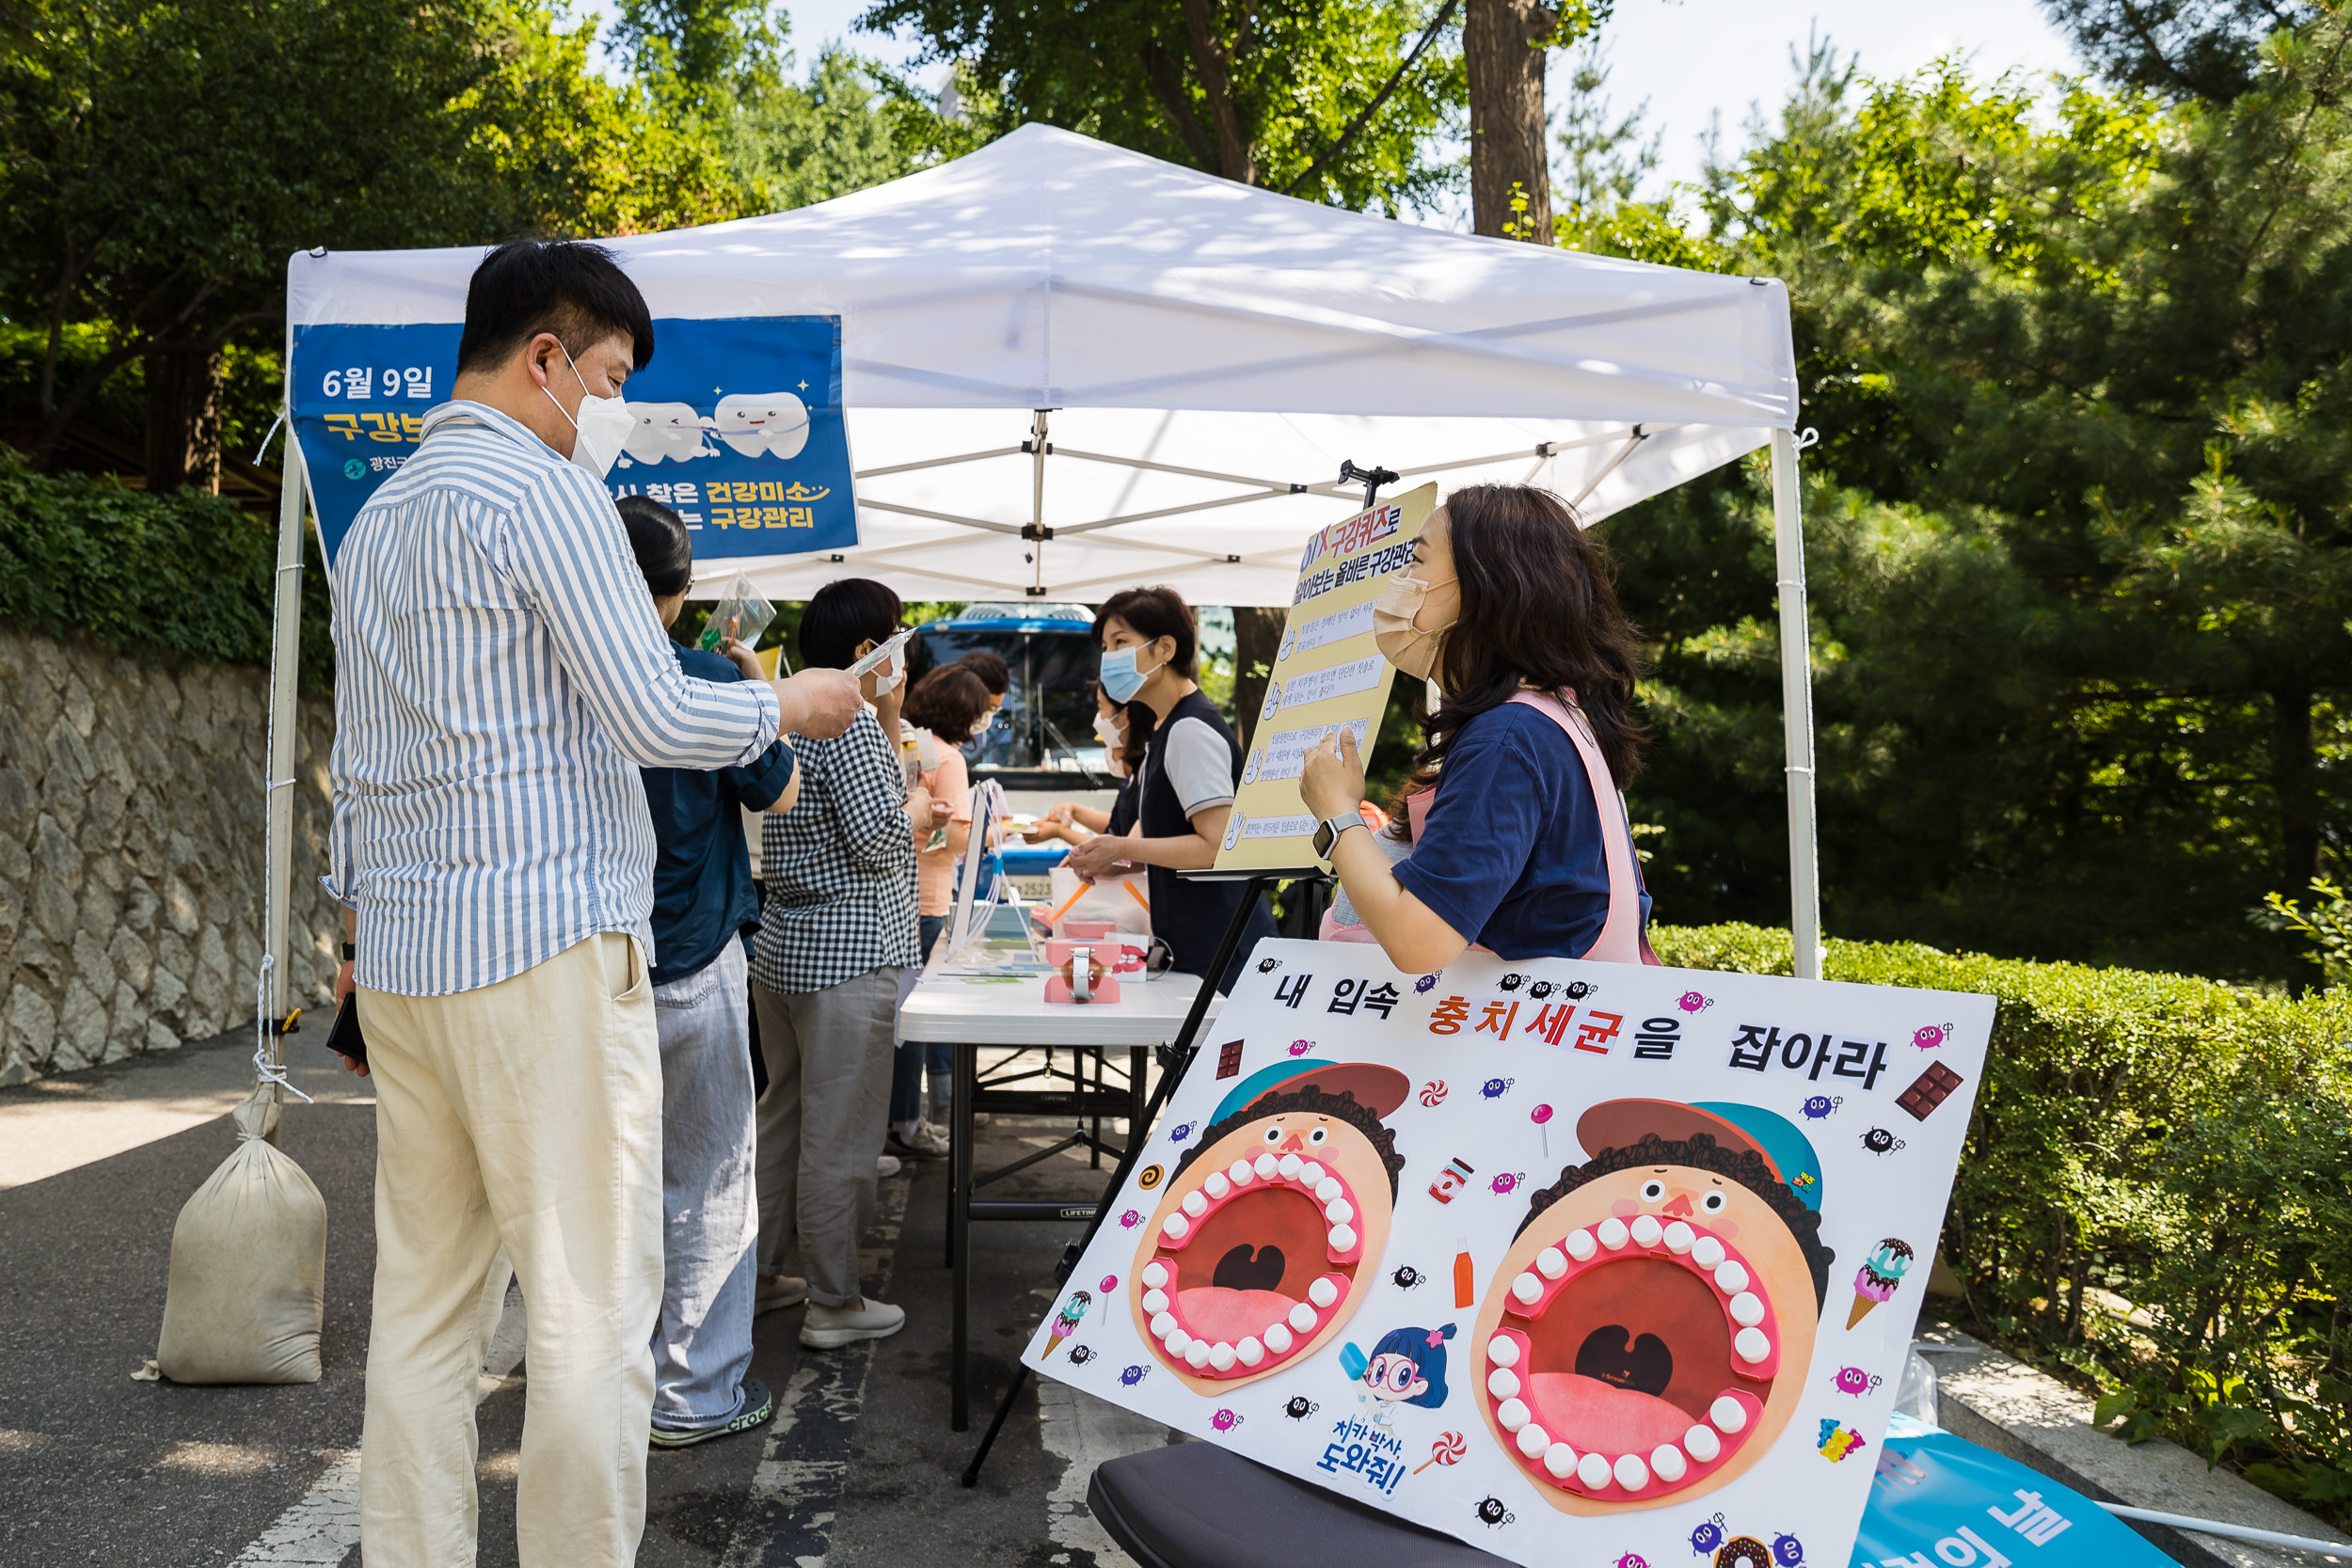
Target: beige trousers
[[526, 1114]]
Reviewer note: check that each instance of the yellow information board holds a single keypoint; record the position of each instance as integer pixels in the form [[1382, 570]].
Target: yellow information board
[[1328, 674]]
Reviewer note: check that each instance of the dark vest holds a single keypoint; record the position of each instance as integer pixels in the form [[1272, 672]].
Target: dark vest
[[1191, 916]]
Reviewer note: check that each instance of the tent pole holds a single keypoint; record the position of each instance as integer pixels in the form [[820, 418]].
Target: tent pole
[[1037, 449], [284, 661], [1796, 695]]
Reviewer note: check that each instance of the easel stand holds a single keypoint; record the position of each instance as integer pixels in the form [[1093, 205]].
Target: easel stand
[[1175, 1058]]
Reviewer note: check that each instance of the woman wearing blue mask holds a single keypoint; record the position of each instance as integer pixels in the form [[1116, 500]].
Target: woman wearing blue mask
[[1186, 787]]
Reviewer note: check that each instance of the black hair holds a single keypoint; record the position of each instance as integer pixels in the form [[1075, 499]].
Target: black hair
[[568, 287], [991, 668], [1154, 613], [948, 701], [665, 551], [1702, 1153], [843, 614], [1315, 1101]]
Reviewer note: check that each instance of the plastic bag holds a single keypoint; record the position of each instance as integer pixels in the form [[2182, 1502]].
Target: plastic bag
[[1916, 1395], [1124, 901], [740, 617], [249, 1266]]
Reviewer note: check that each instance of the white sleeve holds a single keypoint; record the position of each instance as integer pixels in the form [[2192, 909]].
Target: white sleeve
[[1199, 765]]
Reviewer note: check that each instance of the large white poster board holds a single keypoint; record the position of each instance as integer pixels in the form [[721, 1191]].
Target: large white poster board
[[1582, 1263]]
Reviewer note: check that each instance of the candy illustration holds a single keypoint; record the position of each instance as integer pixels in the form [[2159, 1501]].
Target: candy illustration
[[1149, 1177], [1541, 1117], [1448, 1449], [1837, 1442], [1433, 1092], [1928, 1090], [1744, 1550], [1067, 1320], [1111, 1283], [1881, 1272], [1451, 1179]]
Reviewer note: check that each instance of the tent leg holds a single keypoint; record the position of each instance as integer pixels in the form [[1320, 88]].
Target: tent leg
[[1796, 688], [1038, 449], [284, 661]]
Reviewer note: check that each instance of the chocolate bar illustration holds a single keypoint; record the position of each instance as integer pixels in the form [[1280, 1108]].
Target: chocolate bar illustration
[[1930, 1089]]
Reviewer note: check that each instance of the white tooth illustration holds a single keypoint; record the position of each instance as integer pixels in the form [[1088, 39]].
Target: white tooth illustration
[[1746, 1309], [1727, 1414], [1527, 1287], [1339, 1211], [1533, 1440], [1667, 1461], [1560, 1460], [1302, 1317], [762, 424], [1631, 1472], [1512, 1415], [1593, 1471], [1266, 1166], [1312, 1175], [1342, 1238], [1241, 1172], [671, 431], [1217, 1186], [1221, 1356], [1196, 1353], [1277, 1338], [1611, 1232], [1502, 1351], [1645, 1230], [1329, 1190], [1249, 1352], [1701, 1441], [1679, 1237], [1195, 1205], [1179, 1341], [1581, 1244], [1289, 1165], [1731, 1278], [1155, 1302], [1502, 1383], [1176, 1227], [1156, 1274], [1752, 1345], [1162, 1323], [1706, 1252], [1323, 1293], [1549, 1263]]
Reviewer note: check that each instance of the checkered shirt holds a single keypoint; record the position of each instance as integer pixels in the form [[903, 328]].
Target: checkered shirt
[[839, 867]]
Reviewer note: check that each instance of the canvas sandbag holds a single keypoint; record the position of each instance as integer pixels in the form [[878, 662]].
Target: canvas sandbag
[[249, 1265]]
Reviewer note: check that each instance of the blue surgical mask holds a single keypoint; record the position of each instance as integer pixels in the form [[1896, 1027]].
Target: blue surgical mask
[[1120, 678]]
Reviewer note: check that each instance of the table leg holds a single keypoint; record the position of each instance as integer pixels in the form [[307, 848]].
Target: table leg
[[959, 1235], [1096, 1151], [1137, 1059], [959, 1128]]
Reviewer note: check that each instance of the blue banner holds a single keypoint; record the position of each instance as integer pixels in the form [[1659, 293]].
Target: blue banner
[[1941, 1501], [740, 426]]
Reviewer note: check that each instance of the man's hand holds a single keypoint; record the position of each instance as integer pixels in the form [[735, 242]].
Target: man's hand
[[343, 983], [820, 704], [1333, 782], [926, 813], [1100, 857], [740, 655]]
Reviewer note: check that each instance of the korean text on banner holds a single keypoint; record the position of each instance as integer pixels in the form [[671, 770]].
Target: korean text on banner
[[1328, 676], [740, 426]]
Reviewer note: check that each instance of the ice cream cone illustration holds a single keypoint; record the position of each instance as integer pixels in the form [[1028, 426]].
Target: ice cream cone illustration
[[1064, 1323], [1881, 1272]]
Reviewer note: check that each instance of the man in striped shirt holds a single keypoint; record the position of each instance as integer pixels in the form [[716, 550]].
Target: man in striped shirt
[[500, 676]]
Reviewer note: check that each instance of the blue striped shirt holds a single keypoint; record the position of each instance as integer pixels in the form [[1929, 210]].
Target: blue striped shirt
[[500, 676]]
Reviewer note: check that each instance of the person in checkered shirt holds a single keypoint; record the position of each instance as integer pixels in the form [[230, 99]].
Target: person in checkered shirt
[[836, 944]]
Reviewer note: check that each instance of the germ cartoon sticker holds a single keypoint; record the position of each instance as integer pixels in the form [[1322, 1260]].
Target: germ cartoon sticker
[[1878, 1140]]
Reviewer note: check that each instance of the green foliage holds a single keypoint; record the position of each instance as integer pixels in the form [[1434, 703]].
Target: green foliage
[[2326, 926], [2156, 1188], [796, 144], [185, 571]]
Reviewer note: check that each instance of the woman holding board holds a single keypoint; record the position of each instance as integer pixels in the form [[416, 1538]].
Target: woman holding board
[[1511, 832]]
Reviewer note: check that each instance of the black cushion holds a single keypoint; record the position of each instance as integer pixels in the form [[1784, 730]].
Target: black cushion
[[1195, 1505]]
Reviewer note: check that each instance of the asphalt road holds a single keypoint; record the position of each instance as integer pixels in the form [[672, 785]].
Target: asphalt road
[[96, 1467]]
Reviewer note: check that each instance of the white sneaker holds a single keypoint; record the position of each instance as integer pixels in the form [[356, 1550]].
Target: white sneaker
[[831, 1327], [886, 1165], [778, 1291]]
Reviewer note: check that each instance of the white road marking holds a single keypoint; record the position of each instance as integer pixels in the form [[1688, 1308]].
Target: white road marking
[[1083, 1432]]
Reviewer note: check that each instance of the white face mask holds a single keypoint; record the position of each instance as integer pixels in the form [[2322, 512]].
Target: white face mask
[[1114, 743], [891, 672], [981, 725], [600, 428]]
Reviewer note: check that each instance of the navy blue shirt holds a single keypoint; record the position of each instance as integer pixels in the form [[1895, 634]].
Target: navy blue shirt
[[1511, 855], [703, 896]]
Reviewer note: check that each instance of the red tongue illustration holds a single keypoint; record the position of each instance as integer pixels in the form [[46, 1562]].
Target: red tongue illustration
[[1593, 1414], [1211, 1313]]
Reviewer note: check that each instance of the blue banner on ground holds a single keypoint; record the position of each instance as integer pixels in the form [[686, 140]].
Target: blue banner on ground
[[738, 426], [1941, 1501]]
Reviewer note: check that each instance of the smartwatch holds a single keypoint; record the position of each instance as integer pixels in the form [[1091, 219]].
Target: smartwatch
[[1327, 834]]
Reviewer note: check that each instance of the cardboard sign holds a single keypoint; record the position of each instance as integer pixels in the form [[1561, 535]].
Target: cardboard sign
[[1326, 674], [1582, 1263], [740, 426]]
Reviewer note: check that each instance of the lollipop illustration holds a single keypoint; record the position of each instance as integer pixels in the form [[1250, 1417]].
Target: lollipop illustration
[[1541, 1117], [1067, 1320], [1881, 1272], [1448, 1449]]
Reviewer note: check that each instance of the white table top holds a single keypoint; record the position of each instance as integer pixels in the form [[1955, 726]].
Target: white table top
[[989, 1011]]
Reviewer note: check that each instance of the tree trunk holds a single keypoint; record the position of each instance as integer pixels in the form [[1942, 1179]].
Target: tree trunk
[[1236, 156], [1257, 634], [1502, 47], [182, 420], [2294, 778]]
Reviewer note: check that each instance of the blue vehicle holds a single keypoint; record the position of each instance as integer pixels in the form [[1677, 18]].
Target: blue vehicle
[[1044, 740]]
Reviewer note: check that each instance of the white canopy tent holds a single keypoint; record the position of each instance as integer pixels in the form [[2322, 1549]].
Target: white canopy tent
[[1068, 368]]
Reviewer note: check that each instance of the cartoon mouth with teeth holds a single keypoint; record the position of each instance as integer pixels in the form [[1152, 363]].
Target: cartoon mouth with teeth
[[1251, 1261], [1648, 1333]]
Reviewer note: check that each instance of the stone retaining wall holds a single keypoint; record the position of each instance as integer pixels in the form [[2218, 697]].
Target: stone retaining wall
[[131, 828]]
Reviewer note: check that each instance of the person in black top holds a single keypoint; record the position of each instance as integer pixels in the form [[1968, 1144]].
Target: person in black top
[[1186, 787]]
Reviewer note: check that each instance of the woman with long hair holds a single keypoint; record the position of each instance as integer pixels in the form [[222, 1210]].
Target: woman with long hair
[[1511, 830]]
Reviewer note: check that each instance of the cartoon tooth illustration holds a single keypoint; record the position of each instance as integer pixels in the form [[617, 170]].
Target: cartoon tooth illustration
[[1881, 1272], [666, 431], [762, 424]]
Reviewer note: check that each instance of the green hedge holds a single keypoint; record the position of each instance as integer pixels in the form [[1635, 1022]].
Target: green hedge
[[2156, 1193], [187, 572]]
